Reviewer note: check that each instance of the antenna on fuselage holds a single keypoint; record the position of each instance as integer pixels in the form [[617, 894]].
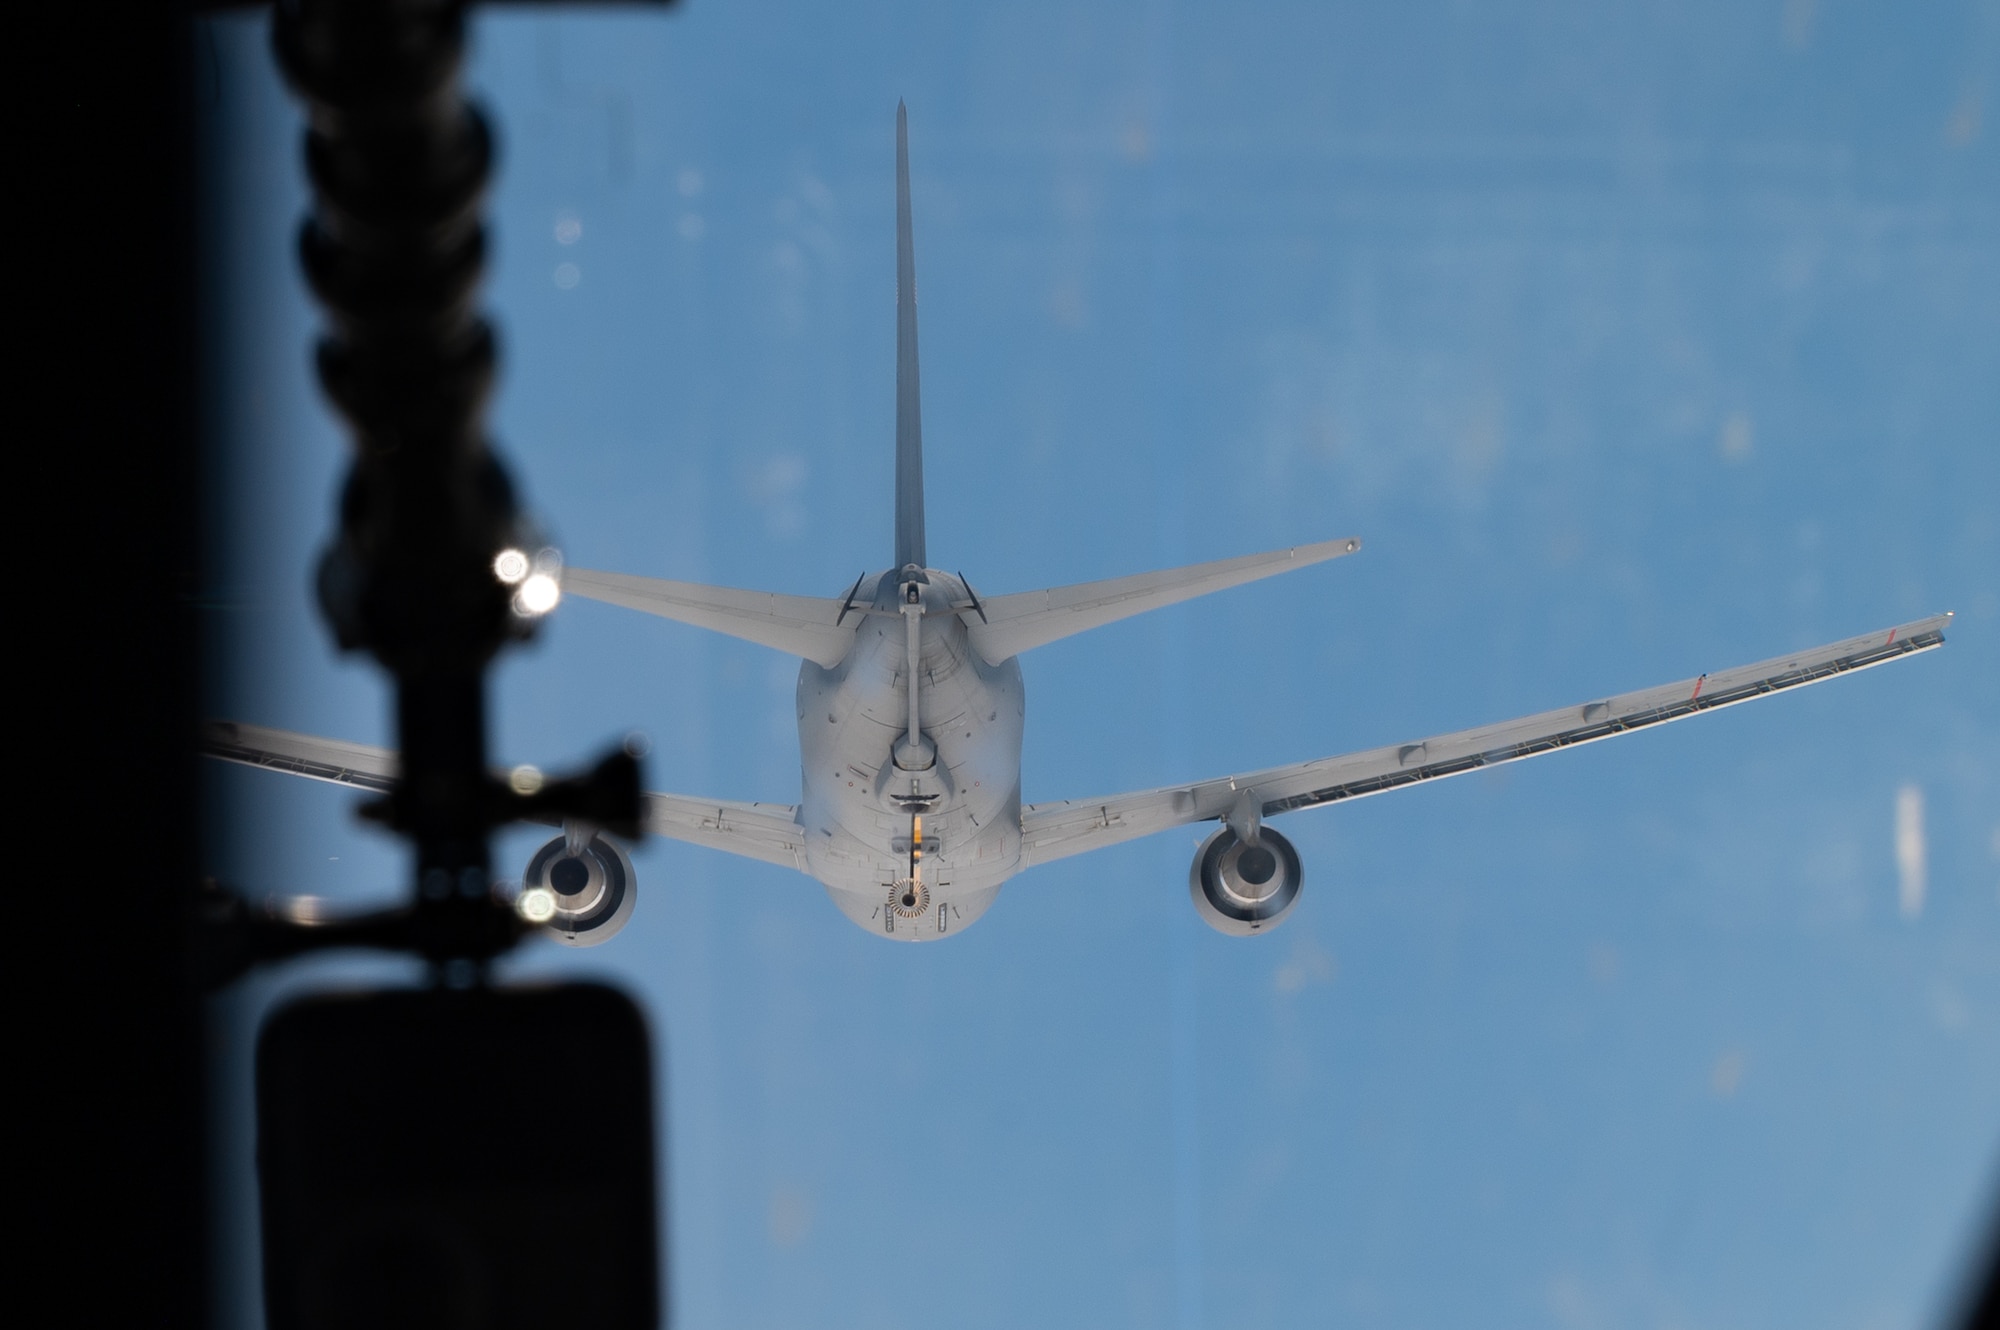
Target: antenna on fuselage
[[909, 414]]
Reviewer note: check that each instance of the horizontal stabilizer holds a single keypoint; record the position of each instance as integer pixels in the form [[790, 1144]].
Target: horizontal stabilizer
[[804, 626], [1012, 624]]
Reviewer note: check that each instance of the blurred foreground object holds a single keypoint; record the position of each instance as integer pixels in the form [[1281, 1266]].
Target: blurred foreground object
[[458, 1155], [107, 380], [440, 1158]]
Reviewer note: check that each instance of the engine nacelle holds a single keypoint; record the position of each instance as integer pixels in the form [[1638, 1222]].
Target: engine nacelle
[[595, 890], [1242, 889]]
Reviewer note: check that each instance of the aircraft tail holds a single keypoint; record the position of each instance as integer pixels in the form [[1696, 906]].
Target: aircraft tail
[[909, 414]]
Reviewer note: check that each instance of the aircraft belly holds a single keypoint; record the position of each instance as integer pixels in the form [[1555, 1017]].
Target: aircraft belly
[[960, 878], [858, 833]]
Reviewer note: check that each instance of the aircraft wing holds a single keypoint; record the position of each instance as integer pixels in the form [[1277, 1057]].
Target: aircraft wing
[[769, 832], [1057, 830]]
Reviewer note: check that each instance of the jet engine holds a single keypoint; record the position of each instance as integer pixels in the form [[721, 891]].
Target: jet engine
[[1240, 888], [593, 885]]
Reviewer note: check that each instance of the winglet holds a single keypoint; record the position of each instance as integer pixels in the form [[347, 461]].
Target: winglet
[[909, 416]]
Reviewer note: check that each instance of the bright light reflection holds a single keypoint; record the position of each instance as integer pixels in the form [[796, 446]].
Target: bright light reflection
[[510, 566], [538, 595], [525, 779], [1910, 849], [537, 905], [302, 909]]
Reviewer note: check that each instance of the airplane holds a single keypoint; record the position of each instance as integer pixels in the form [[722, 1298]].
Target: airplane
[[910, 714]]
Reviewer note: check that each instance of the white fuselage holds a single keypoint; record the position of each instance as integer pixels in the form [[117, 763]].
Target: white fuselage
[[962, 780]]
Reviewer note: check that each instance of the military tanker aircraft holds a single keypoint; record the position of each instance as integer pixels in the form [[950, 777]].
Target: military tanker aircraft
[[910, 713]]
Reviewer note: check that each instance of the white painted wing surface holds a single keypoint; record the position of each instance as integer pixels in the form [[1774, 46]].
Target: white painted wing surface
[[805, 626], [769, 832], [1012, 624], [307, 755], [1057, 830]]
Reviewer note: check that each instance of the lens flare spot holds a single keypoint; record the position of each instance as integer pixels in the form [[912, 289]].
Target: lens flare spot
[[510, 566], [537, 905], [538, 595]]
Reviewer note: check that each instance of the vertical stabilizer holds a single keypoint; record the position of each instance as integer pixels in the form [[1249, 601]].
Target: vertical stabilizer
[[909, 413]]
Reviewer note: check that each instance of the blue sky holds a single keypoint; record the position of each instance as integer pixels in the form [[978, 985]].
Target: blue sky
[[1635, 341]]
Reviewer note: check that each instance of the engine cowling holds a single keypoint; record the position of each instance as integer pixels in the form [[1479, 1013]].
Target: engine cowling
[[595, 890], [1243, 889]]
